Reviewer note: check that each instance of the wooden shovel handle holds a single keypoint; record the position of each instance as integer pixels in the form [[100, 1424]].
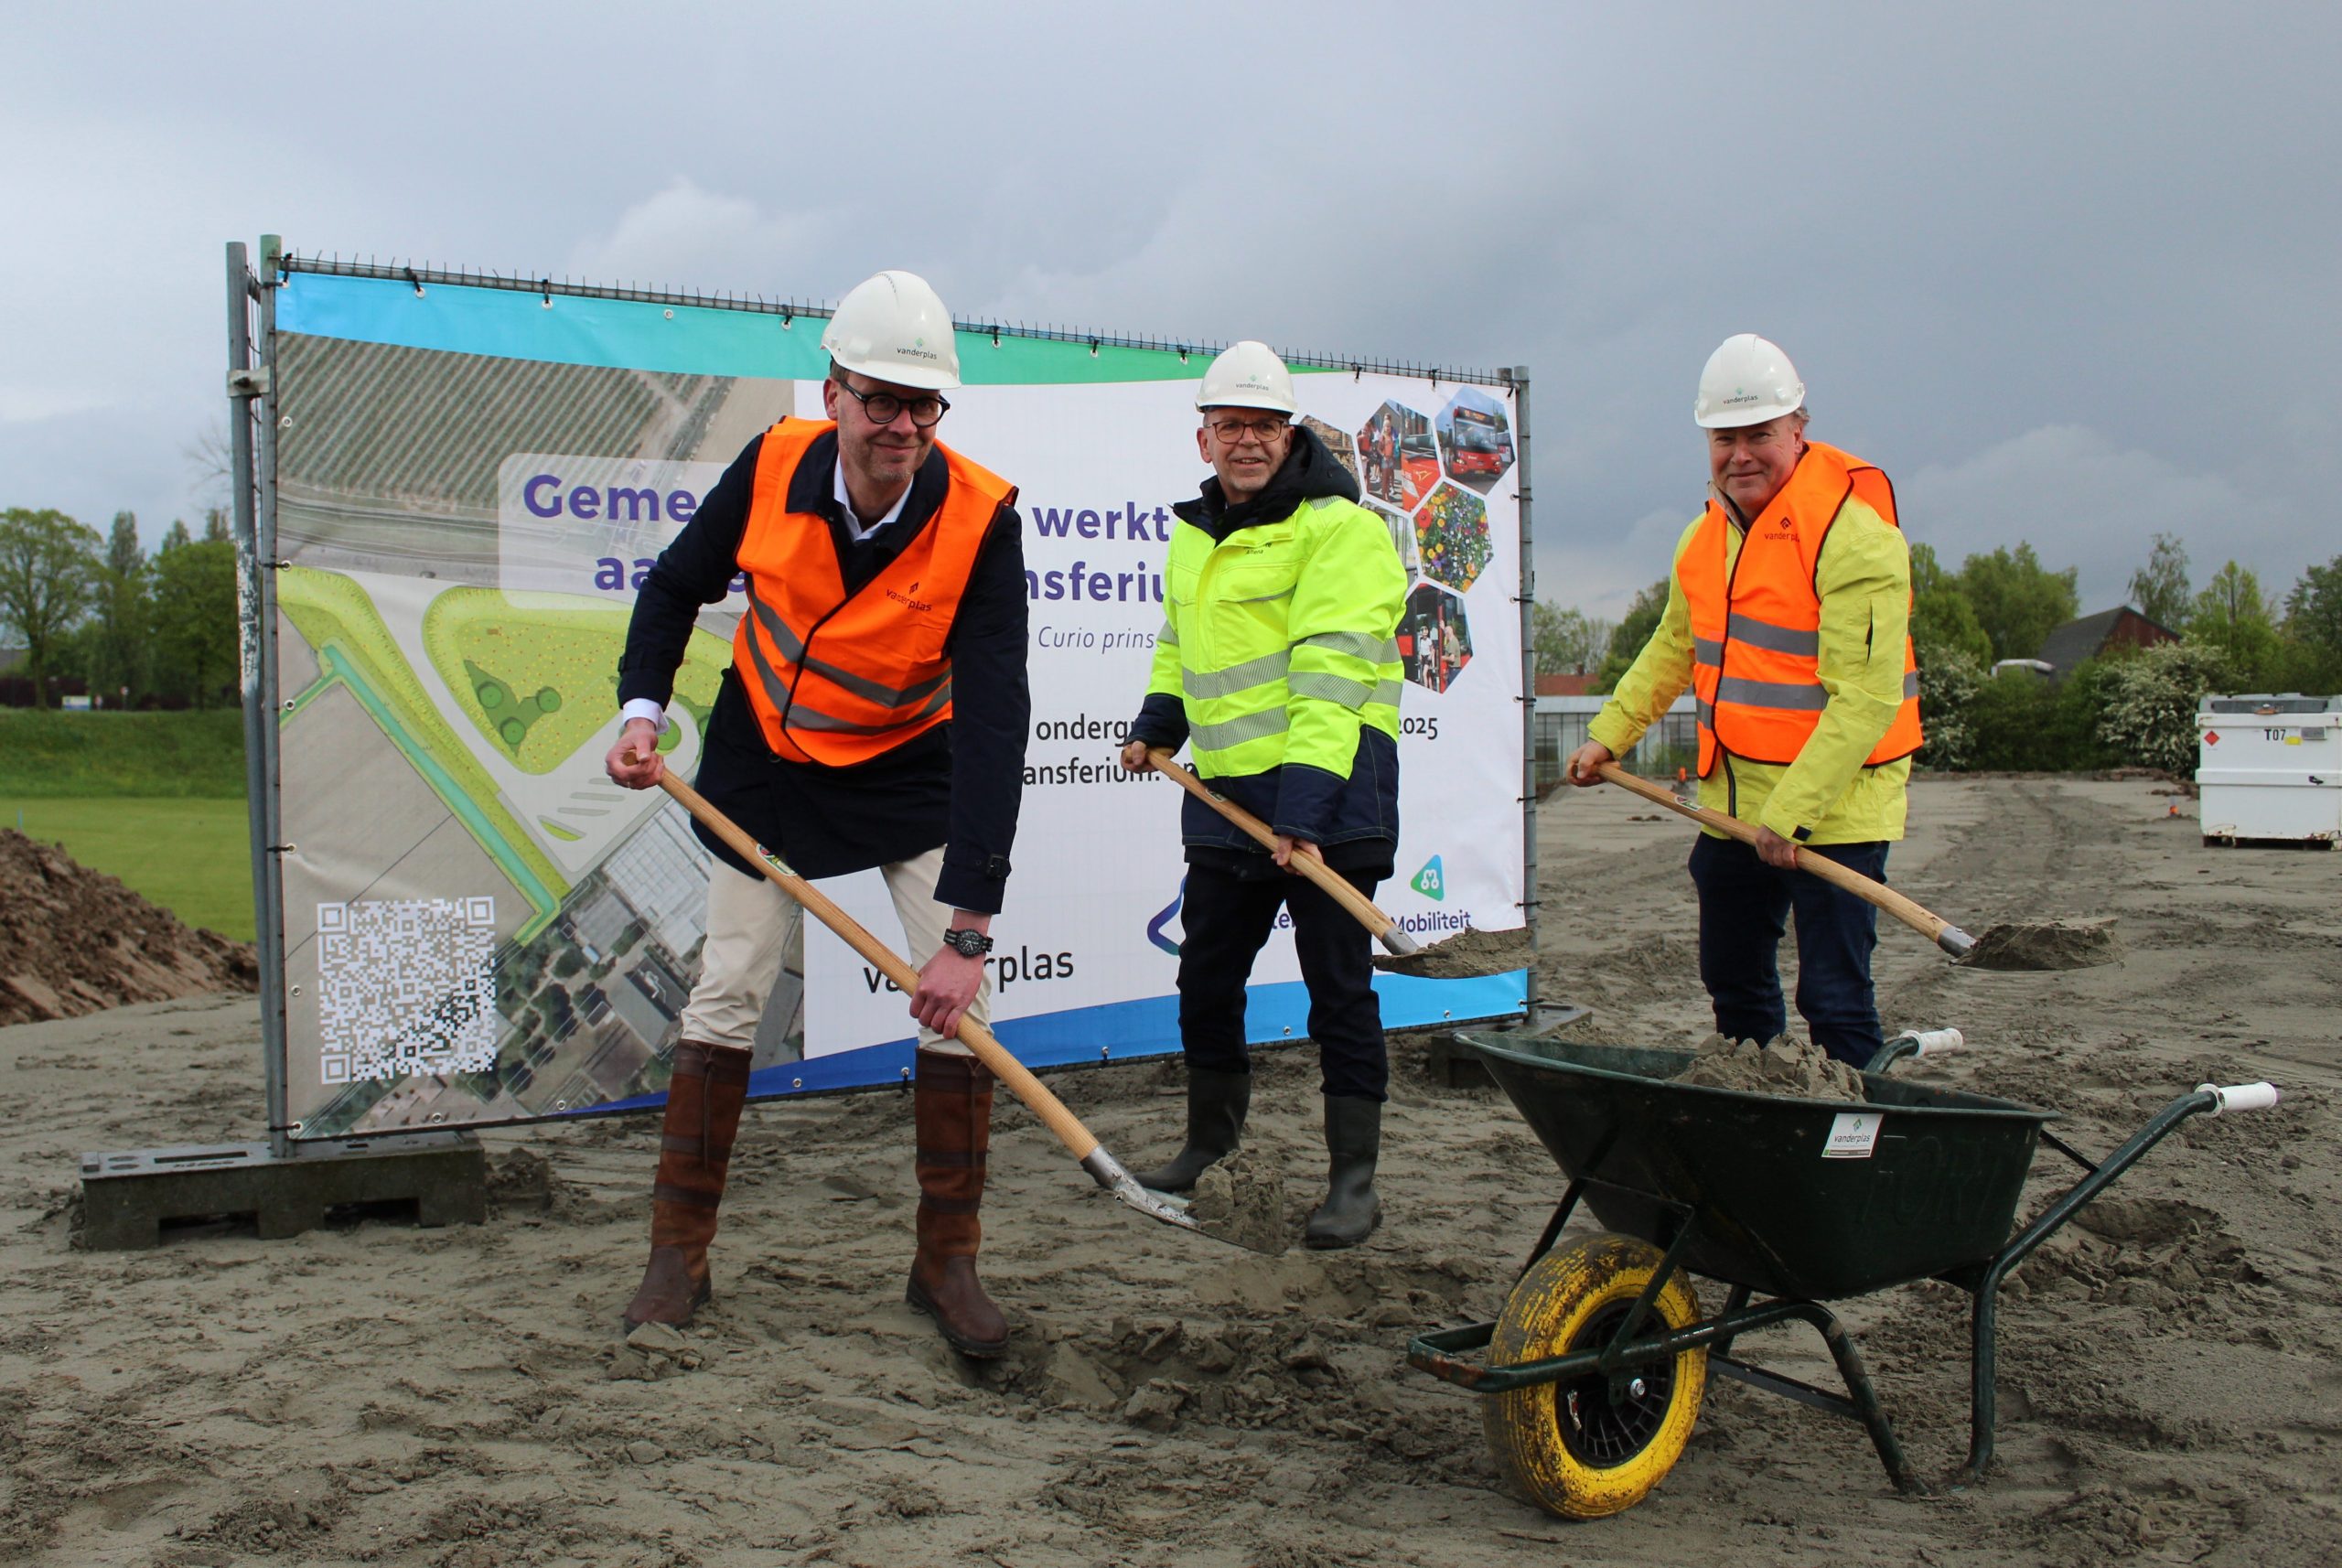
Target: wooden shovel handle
[[1384, 929], [1931, 925], [1008, 1069]]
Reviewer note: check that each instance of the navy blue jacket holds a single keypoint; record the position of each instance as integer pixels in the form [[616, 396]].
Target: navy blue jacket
[[958, 785]]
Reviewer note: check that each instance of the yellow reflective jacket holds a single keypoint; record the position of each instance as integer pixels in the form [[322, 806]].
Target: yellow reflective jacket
[[1278, 660], [1865, 579]]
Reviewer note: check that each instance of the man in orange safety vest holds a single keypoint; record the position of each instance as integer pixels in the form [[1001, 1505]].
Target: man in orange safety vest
[[1787, 615], [885, 596]]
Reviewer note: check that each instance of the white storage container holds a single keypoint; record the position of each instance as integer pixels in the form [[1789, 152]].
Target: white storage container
[[2270, 767]]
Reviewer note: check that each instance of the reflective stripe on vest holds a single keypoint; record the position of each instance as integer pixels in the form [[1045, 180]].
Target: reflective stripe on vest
[[837, 678], [1757, 627]]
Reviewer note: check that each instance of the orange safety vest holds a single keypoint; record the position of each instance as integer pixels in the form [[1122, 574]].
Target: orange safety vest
[[834, 678], [1757, 630]]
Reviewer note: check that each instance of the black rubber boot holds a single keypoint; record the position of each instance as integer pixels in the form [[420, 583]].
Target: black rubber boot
[[1217, 1104], [1353, 1142]]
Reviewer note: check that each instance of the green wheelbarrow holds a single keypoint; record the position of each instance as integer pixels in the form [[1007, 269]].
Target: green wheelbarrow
[[1595, 1371]]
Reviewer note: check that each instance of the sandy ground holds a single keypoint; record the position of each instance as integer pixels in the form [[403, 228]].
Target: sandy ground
[[380, 1394]]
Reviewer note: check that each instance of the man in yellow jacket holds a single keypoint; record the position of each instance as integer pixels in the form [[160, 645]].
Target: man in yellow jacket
[[1278, 667], [1787, 613]]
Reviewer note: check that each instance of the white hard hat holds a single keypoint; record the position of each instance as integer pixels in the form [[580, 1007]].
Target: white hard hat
[[893, 328], [1247, 375], [1747, 381]]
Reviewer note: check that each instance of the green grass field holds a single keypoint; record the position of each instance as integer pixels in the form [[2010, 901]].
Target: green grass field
[[88, 755], [192, 857], [156, 799]]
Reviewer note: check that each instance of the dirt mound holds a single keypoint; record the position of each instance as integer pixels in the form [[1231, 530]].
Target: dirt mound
[[73, 941], [2170, 1256], [1788, 1066]]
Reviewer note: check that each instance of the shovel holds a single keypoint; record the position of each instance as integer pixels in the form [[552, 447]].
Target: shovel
[[1935, 927], [2012, 946], [1408, 955], [1103, 1169]]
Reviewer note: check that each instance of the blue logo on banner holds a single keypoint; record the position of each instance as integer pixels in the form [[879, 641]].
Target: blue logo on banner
[[1431, 881], [1154, 927]]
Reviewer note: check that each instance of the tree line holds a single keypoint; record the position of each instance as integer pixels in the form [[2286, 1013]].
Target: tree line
[[138, 629], [2126, 706]]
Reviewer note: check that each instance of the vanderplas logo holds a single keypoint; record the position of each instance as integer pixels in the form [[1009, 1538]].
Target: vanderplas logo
[[916, 349], [1431, 881], [1740, 395], [909, 599]]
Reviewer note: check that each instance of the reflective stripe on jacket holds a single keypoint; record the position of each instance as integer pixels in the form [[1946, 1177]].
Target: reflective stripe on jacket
[[1755, 617], [834, 678], [1280, 642]]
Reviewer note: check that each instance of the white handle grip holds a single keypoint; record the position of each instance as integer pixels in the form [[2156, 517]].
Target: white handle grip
[[1936, 1042], [2241, 1096]]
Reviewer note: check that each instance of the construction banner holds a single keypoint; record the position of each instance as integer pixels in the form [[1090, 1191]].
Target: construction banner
[[471, 481]]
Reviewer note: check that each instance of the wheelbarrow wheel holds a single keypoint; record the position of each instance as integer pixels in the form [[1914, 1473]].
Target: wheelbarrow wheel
[[1570, 1447]]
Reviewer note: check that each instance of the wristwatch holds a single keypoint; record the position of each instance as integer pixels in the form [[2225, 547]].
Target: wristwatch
[[968, 944]]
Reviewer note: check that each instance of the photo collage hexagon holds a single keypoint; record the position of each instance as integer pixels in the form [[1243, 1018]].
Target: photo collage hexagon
[[1428, 476]]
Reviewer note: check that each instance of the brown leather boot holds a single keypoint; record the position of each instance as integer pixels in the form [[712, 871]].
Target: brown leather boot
[[704, 1100], [951, 1102]]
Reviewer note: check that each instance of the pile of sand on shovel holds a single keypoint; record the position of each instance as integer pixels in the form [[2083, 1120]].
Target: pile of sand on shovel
[[1466, 955], [2045, 944], [1241, 1198]]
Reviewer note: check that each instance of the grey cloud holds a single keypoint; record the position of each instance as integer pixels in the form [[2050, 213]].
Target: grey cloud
[[2083, 500], [1969, 225]]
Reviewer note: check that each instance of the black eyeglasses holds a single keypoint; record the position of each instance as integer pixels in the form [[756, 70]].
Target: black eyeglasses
[[1232, 431], [884, 407]]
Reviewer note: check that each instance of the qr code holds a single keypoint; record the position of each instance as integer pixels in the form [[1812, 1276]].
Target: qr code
[[406, 986]]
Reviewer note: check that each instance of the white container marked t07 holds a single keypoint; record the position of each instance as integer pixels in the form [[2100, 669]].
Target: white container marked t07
[[2270, 767]]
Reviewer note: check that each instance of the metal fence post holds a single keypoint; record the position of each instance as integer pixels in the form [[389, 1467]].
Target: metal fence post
[[272, 934], [1519, 375], [252, 393], [245, 384]]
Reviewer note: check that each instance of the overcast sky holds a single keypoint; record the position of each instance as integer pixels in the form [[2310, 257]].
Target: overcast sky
[[2068, 273]]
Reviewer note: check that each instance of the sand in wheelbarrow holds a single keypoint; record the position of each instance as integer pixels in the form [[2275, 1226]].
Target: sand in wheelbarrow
[[1241, 1198], [1469, 953], [1795, 1067], [2045, 944]]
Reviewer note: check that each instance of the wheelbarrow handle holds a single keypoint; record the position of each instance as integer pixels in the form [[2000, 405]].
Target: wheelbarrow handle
[[1933, 927], [1917, 1042], [1330, 882], [2241, 1096], [1936, 1042]]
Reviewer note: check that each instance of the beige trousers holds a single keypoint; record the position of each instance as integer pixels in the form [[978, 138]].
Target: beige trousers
[[751, 925]]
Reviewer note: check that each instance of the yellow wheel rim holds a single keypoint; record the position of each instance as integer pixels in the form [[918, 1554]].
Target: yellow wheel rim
[[1572, 1448]]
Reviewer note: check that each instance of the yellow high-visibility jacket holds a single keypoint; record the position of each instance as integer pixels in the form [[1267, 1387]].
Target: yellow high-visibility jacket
[[1278, 660]]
